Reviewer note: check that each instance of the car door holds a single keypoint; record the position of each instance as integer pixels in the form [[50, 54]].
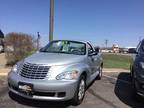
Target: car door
[[99, 61], [93, 59]]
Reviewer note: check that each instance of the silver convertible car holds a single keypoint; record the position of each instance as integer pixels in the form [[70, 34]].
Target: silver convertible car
[[60, 71]]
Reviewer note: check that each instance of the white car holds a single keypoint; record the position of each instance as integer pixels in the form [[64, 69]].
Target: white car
[[60, 71]]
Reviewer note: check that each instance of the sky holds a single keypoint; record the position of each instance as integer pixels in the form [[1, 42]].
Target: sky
[[118, 21]]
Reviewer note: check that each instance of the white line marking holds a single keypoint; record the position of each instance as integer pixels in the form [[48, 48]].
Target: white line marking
[[127, 82]]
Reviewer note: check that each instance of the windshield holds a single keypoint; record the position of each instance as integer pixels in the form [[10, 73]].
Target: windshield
[[68, 47]]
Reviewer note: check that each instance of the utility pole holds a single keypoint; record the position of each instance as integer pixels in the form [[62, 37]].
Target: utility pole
[[38, 41], [106, 42], [51, 20]]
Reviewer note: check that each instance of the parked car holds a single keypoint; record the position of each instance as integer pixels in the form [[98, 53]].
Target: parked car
[[1, 46], [60, 71], [123, 50], [131, 50], [137, 70], [1, 49]]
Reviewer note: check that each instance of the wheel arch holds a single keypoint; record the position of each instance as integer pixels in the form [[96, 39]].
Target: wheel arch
[[102, 64], [84, 73]]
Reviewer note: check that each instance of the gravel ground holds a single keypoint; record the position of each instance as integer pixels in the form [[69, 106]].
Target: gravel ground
[[2, 60], [113, 91]]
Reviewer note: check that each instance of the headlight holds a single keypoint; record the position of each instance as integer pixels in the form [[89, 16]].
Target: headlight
[[142, 64], [68, 75], [15, 68]]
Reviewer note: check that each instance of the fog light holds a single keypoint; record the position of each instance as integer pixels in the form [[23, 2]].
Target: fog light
[[61, 94]]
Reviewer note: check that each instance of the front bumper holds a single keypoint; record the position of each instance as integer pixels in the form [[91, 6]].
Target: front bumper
[[43, 89]]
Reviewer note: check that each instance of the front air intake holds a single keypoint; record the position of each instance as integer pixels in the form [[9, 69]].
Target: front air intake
[[34, 71]]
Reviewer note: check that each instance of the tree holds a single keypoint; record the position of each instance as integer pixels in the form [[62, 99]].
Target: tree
[[18, 46]]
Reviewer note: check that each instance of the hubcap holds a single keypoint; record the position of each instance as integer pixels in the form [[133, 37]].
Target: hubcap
[[100, 71], [81, 90]]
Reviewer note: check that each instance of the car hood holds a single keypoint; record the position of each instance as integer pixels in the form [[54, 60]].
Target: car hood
[[53, 58]]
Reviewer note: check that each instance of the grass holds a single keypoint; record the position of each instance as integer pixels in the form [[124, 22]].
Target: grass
[[116, 61]]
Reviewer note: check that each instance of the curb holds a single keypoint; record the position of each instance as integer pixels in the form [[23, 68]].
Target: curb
[[3, 74], [4, 71], [113, 70]]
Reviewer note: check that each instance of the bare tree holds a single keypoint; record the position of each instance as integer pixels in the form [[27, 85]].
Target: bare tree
[[18, 46]]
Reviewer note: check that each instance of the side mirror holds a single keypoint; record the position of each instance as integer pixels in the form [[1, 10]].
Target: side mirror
[[41, 49], [92, 54], [97, 50]]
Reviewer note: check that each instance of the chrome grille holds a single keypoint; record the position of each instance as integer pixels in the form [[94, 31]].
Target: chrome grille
[[34, 71]]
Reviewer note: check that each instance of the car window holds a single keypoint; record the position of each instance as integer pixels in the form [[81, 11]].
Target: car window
[[90, 49], [64, 46], [138, 47], [141, 48]]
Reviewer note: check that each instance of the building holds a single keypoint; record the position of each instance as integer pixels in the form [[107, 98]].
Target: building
[[115, 48]]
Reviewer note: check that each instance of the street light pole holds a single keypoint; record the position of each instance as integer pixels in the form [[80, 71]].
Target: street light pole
[[38, 41], [106, 42], [51, 20]]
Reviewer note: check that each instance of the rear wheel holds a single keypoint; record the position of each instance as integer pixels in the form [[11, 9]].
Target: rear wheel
[[80, 92]]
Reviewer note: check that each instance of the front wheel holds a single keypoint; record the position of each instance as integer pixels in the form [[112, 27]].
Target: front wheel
[[80, 92], [134, 90], [100, 73]]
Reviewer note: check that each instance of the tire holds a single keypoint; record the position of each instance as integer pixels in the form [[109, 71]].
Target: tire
[[100, 73], [79, 95], [134, 86], [134, 90]]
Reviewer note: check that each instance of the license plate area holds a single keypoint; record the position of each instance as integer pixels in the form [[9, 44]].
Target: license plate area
[[25, 88]]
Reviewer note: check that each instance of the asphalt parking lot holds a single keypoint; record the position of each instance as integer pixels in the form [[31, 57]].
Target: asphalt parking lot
[[113, 91]]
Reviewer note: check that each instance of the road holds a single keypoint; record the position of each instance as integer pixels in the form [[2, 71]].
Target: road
[[2, 60], [113, 91]]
